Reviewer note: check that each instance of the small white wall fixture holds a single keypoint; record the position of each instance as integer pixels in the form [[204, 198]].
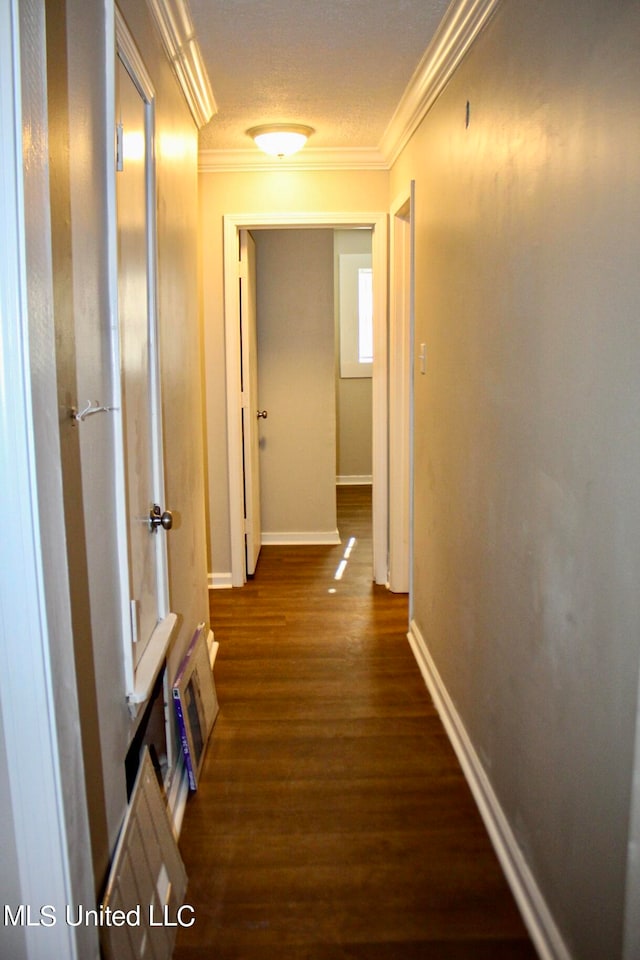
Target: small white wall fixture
[[377, 222]]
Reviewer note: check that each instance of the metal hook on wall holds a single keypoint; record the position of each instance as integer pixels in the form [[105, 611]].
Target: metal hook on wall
[[92, 407]]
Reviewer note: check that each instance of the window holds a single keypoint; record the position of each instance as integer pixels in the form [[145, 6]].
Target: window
[[365, 315], [356, 315]]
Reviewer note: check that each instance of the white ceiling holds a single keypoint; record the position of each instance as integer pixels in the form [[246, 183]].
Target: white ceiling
[[340, 66]]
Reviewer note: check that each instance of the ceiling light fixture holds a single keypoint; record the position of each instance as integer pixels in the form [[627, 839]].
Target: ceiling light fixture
[[280, 139]]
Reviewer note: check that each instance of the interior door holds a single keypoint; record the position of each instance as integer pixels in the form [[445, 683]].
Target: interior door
[[138, 364], [251, 414]]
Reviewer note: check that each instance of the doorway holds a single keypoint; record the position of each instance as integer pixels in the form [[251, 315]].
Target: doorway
[[306, 388], [377, 223], [353, 355], [295, 410]]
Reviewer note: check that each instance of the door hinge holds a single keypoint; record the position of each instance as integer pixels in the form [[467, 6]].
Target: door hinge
[[119, 148]]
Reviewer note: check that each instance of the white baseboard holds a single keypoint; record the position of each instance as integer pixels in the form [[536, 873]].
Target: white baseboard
[[354, 481], [534, 910], [291, 538], [220, 581]]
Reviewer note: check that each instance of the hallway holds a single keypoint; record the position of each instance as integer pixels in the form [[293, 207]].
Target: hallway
[[332, 819]]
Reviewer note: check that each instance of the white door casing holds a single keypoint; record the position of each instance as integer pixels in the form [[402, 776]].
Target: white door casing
[[147, 622], [377, 222], [249, 391], [400, 392]]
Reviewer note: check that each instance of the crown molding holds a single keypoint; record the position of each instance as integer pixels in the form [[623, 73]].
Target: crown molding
[[228, 161], [173, 20], [460, 26]]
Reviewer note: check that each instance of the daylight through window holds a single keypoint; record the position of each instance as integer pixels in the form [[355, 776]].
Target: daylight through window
[[365, 315]]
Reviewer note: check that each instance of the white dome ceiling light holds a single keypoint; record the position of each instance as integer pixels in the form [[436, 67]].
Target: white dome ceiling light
[[280, 139]]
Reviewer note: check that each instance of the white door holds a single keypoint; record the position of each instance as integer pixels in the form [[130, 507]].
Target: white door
[[251, 414], [139, 400]]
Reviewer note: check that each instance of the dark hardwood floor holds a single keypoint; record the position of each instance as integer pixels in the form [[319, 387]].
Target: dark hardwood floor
[[332, 819]]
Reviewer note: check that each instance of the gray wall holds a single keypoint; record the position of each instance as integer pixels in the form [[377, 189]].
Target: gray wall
[[353, 394], [527, 501], [76, 51], [296, 382]]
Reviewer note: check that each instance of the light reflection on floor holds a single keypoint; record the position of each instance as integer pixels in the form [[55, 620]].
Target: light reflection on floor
[[342, 566]]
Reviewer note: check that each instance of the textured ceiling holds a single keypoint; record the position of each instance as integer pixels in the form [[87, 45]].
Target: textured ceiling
[[340, 66]]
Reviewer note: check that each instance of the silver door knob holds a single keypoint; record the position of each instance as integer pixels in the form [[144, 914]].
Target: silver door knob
[[262, 414], [159, 519]]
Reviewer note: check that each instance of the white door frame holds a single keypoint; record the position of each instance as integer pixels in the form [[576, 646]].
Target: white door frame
[[377, 222], [250, 430], [401, 349]]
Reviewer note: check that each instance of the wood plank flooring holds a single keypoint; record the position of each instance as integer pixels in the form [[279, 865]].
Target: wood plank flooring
[[332, 819]]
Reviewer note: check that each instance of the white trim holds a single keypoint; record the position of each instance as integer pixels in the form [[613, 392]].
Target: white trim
[[174, 24], [290, 538], [378, 224], [354, 480], [401, 349], [220, 581], [120, 497], [234, 402], [380, 401], [119, 36], [151, 661], [453, 39], [252, 159], [535, 912]]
